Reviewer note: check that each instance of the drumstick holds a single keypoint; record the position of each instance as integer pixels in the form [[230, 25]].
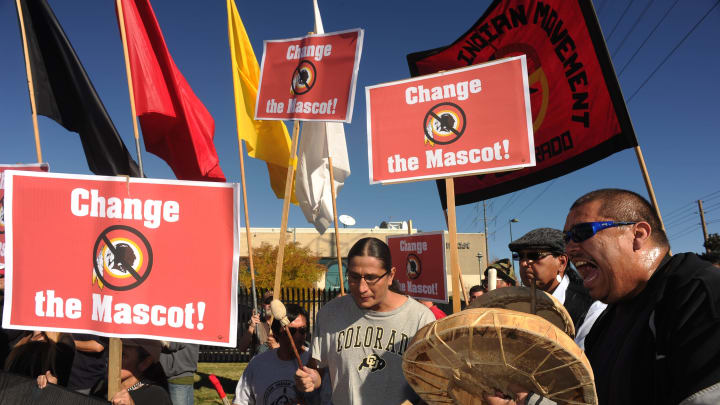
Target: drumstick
[[219, 389], [280, 313], [533, 299]]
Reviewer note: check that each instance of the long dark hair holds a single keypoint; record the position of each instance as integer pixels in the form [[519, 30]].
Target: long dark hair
[[373, 247]]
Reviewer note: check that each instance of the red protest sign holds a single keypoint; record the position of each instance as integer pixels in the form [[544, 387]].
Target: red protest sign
[[35, 167], [310, 78], [121, 257], [419, 262], [466, 121]]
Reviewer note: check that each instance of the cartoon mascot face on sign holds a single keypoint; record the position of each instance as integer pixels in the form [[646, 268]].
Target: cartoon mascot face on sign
[[413, 267]]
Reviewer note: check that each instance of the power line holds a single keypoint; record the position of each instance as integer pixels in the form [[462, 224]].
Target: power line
[[537, 197], [632, 28], [624, 13], [673, 50], [647, 38]]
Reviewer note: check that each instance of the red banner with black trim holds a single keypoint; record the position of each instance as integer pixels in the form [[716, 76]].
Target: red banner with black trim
[[579, 115]]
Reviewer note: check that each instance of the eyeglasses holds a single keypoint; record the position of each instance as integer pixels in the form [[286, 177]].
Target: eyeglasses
[[370, 279], [534, 256], [586, 230], [302, 330]]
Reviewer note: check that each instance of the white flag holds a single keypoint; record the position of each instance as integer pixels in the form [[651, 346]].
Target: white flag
[[318, 140]]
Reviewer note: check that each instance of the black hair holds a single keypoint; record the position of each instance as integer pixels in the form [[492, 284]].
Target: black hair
[[373, 247], [626, 206], [476, 288], [292, 312], [35, 357]]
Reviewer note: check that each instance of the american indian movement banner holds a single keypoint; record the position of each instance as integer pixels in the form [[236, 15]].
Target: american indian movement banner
[[121, 257], [578, 112]]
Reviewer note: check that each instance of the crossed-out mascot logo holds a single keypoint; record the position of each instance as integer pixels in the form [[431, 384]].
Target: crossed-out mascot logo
[[303, 78], [372, 362], [413, 266], [444, 124], [122, 258]]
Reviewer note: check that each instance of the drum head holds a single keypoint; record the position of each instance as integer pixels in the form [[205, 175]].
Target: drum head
[[518, 299], [461, 358]]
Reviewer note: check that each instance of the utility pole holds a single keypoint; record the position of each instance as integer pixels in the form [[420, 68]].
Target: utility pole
[[487, 253], [702, 221]]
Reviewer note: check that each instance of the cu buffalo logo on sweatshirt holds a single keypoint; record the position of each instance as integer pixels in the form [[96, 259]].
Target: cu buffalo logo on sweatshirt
[[373, 362]]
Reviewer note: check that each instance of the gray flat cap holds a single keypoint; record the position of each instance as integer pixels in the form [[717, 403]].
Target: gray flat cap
[[549, 239]]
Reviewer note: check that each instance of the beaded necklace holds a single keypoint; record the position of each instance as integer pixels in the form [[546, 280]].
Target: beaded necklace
[[135, 386]]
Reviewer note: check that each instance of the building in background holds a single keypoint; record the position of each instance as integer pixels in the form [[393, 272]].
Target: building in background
[[471, 248]]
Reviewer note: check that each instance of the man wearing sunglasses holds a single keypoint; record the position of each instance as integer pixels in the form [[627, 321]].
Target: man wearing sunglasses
[[543, 262], [269, 377], [658, 341]]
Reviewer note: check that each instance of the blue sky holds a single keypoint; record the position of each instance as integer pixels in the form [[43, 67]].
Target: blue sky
[[674, 114]]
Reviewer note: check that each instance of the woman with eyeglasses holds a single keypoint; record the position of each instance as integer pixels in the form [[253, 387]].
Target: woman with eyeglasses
[[544, 262], [360, 338], [269, 377]]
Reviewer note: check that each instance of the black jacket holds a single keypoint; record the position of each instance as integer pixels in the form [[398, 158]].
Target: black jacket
[[663, 345]]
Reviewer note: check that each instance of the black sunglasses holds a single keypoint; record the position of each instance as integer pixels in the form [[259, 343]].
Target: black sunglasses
[[534, 256], [586, 230], [302, 330]]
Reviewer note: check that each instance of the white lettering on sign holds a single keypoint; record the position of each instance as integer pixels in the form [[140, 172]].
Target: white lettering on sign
[[55, 307], [151, 212], [427, 289], [460, 90], [418, 247], [437, 158], [311, 51], [140, 314]]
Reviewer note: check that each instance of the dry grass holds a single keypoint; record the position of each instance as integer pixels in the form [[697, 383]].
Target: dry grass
[[227, 373]]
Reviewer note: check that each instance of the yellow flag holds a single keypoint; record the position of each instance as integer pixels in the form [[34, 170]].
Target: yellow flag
[[266, 140]]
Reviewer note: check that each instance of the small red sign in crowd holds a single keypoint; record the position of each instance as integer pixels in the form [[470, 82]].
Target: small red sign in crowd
[[121, 257], [470, 120], [34, 167], [419, 262], [310, 78]]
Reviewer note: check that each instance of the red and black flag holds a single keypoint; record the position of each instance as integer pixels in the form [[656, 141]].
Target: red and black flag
[[63, 92], [176, 125], [579, 115]]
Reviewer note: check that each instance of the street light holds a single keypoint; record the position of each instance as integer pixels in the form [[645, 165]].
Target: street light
[[479, 257], [511, 222]]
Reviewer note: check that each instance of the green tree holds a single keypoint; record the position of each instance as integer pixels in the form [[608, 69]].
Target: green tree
[[300, 267], [713, 243]]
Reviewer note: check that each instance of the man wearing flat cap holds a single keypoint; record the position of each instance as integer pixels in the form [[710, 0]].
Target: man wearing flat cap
[[544, 262]]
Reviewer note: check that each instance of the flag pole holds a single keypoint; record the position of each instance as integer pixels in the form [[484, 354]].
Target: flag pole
[[460, 276], [130, 84], [452, 233], [31, 87], [286, 209], [247, 227], [114, 365], [337, 229], [648, 184]]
